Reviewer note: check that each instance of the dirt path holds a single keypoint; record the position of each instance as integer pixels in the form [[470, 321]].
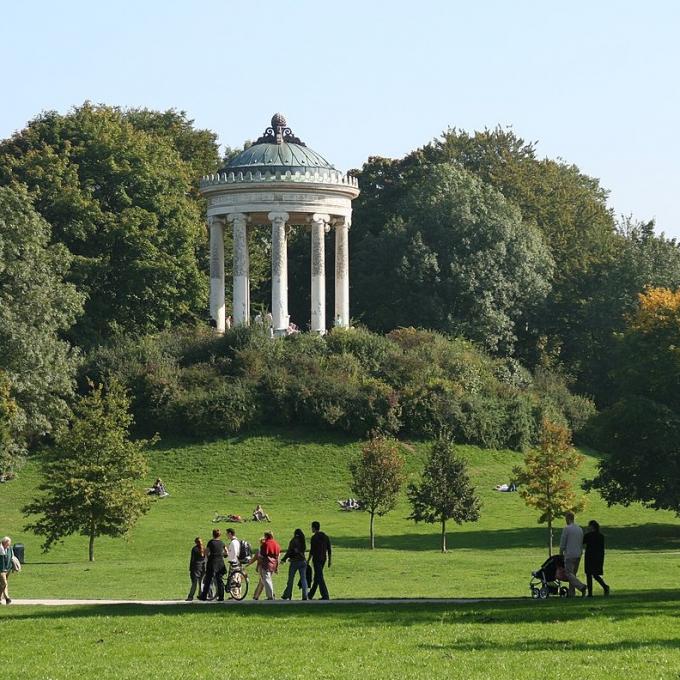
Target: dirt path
[[260, 603]]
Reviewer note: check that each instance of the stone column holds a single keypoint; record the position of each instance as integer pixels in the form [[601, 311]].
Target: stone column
[[342, 274], [217, 311], [241, 298], [319, 222], [279, 272]]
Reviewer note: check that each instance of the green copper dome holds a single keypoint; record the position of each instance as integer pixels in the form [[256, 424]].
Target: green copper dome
[[277, 150]]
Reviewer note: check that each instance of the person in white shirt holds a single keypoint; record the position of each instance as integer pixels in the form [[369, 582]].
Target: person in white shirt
[[571, 547], [233, 549]]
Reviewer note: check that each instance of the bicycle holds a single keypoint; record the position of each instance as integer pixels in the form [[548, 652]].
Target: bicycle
[[235, 584]]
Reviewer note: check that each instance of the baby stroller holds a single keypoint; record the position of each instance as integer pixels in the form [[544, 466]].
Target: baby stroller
[[547, 580]]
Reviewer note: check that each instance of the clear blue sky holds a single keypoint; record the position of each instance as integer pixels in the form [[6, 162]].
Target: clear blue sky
[[595, 83]]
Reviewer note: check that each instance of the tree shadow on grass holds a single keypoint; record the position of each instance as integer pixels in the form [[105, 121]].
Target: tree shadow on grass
[[626, 605], [644, 537], [552, 645]]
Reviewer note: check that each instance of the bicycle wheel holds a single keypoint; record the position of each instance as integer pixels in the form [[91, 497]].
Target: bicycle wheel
[[238, 585]]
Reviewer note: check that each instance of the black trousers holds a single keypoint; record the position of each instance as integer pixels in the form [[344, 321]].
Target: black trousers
[[214, 573], [589, 583], [318, 581]]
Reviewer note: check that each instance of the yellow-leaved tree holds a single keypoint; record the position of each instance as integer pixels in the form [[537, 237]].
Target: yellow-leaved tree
[[546, 481]]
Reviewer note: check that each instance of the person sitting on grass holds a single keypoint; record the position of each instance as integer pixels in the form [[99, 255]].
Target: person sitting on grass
[[259, 515], [158, 489]]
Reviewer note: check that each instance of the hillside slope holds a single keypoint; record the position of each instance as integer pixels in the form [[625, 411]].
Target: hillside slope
[[298, 478]]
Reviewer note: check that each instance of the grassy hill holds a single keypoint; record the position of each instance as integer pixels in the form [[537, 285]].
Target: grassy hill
[[298, 477]]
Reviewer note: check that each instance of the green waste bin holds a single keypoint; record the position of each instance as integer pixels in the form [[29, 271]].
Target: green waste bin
[[19, 552]]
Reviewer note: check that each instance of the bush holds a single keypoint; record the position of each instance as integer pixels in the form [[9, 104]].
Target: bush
[[226, 409], [410, 382]]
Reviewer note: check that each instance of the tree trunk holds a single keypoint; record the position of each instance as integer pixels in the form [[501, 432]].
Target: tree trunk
[[550, 537], [371, 532], [91, 552], [443, 535]]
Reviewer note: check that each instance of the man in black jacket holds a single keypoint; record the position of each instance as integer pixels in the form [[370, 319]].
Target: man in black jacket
[[215, 568], [319, 548]]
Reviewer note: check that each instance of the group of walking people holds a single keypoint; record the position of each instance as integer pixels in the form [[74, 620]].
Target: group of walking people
[[207, 563], [572, 544]]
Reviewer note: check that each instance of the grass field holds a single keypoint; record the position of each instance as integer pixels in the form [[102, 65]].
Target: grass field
[[626, 637], [298, 477]]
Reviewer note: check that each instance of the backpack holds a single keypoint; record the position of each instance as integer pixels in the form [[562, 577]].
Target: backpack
[[245, 552]]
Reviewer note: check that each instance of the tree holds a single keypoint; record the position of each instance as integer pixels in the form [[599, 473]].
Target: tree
[[455, 256], [377, 477], [545, 480], [90, 475], [37, 307], [444, 491], [640, 432], [11, 448], [120, 191]]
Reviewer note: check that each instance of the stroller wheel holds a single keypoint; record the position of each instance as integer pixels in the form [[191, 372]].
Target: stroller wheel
[[534, 593], [543, 593], [564, 592]]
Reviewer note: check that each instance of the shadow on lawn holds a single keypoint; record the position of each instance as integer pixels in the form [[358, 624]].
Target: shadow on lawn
[[625, 605], [652, 537]]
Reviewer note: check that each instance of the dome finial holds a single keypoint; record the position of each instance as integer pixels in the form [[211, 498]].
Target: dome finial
[[278, 133], [279, 121]]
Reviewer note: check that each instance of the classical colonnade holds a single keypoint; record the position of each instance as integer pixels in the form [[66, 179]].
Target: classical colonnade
[[320, 224]]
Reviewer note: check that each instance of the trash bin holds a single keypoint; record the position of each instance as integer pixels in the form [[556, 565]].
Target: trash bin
[[19, 552]]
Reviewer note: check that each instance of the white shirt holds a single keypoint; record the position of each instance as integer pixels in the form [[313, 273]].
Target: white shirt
[[571, 542], [233, 549]]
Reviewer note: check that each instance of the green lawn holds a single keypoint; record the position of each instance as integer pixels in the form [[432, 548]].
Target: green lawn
[[623, 637], [298, 477]]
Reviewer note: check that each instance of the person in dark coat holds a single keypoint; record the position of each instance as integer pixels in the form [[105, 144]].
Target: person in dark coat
[[320, 549], [196, 567], [593, 542], [215, 567], [298, 564]]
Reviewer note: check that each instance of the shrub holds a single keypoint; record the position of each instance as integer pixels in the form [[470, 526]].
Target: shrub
[[226, 409]]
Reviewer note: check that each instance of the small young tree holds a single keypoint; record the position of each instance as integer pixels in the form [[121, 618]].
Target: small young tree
[[546, 479], [90, 474], [377, 476], [444, 491]]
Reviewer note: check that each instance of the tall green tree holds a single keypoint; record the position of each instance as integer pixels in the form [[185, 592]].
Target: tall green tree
[[377, 476], [456, 257], [119, 189], [444, 491], [640, 432], [546, 478], [37, 307], [11, 450], [90, 477]]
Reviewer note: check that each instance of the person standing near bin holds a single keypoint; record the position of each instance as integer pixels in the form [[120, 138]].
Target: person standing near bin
[[319, 549], [6, 566]]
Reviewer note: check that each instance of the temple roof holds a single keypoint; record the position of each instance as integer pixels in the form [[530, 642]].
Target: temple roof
[[277, 149]]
